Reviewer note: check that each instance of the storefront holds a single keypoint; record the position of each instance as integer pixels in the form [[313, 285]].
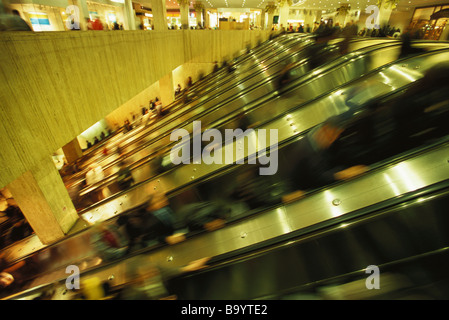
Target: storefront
[[241, 19], [431, 22], [51, 18], [439, 26]]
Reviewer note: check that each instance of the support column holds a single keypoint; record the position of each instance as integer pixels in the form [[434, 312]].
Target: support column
[[166, 89], [159, 15], [318, 16], [184, 11], [308, 20], [199, 12], [84, 13], [270, 8], [262, 19], [207, 20], [385, 9], [44, 201], [128, 15], [341, 17], [72, 151], [284, 8], [445, 34]]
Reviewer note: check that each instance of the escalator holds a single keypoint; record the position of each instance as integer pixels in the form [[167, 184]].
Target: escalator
[[145, 143], [201, 90], [174, 182], [415, 178], [296, 97]]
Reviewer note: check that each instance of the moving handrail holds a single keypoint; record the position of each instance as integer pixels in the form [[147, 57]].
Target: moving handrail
[[201, 97], [298, 93], [304, 216], [388, 72], [258, 90]]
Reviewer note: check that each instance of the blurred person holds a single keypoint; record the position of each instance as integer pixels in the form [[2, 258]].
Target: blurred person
[[362, 32], [178, 90], [315, 163], [285, 75], [345, 146], [144, 110], [149, 280], [189, 82], [108, 241], [216, 68], [15, 275], [422, 112], [12, 22], [308, 28], [152, 105], [337, 28], [320, 52], [89, 24], [258, 191], [152, 221], [205, 215], [95, 175], [124, 176], [127, 126], [407, 48], [97, 24], [94, 289], [158, 108]]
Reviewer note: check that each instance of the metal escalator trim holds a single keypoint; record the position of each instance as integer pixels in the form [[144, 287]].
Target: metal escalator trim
[[275, 227], [364, 40], [364, 192], [261, 100], [211, 75], [325, 69], [243, 67], [163, 124], [183, 108], [199, 102], [177, 102], [119, 199], [376, 42], [360, 273], [345, 221], [388, 165]]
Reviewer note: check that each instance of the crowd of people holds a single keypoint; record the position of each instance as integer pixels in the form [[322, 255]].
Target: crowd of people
[[341, 148], [13, 225], [351, 28]]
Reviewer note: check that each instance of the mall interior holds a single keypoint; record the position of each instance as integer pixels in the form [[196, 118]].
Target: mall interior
[[224, 150]]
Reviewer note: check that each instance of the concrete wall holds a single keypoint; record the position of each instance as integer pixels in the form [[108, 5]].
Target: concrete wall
[[55, 85]]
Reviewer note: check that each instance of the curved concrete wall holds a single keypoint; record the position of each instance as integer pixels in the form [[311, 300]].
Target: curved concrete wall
[[55, 85]]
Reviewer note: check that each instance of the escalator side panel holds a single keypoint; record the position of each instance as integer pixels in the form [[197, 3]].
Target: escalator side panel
[[405, 232]]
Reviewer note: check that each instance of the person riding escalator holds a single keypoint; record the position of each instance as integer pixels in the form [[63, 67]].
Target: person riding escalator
[[347, 145]]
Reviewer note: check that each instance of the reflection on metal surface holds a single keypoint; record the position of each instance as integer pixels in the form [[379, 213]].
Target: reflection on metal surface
[[387, 183], [429, 167], [305, 117]]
